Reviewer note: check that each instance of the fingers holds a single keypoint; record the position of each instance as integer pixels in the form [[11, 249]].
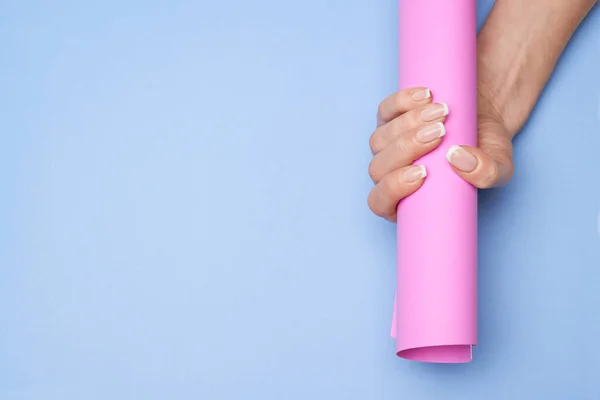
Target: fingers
[[400, 102], [409, 121], [409, 126], [406, 149], [479, 167], [393, 187]]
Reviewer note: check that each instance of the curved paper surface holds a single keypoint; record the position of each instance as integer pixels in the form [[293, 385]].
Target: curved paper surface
[[435, 317]]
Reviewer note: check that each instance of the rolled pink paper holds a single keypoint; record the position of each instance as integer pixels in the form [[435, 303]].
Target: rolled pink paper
[[435, 317]]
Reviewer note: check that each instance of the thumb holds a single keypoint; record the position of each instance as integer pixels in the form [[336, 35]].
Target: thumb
[[485, 167]]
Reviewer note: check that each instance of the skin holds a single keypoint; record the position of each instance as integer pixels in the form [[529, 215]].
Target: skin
[[518, 48]]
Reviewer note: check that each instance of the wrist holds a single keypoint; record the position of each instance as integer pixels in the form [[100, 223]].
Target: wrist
[[502, 93], [518, 48]]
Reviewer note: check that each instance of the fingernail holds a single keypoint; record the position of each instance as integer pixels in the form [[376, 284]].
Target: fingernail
[[414, 173], [431, 132], [421, 94], [461, 159], [434, 111]]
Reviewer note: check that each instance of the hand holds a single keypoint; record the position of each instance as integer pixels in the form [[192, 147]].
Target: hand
[[409, 126], [490, 164], [514, 65]]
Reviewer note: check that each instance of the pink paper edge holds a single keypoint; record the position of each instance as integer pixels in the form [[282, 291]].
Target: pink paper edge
[[456, 353]]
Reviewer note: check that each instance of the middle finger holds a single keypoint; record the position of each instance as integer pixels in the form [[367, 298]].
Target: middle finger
[[410, 121]]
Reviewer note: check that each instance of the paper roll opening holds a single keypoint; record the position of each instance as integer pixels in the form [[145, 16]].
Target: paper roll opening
[[439, 354]]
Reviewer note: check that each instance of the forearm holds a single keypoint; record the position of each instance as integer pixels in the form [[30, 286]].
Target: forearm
[[518, 48]]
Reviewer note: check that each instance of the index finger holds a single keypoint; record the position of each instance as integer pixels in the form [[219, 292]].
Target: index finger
[[401, 102]]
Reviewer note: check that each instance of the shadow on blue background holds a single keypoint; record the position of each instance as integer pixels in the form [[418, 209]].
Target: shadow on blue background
[[184, 211]]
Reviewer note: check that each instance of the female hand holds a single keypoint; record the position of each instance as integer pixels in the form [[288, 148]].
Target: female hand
[[411, 125], [516, 54]]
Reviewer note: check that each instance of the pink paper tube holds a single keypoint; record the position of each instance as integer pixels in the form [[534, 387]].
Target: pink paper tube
[[435, 317]]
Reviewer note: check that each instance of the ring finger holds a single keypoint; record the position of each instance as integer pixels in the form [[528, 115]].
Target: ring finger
[[406, 149]]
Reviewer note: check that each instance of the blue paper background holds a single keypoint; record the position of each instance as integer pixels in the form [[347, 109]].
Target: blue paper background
[[183, 211]]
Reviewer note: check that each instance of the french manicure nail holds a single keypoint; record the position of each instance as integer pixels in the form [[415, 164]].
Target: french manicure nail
[[431, 132], [421, 94], [414, 173], [461, 159], [434, 111]]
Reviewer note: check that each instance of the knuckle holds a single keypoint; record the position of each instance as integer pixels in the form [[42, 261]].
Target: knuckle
[[490, 177], [374, 142], [373, 203], [373, 171]]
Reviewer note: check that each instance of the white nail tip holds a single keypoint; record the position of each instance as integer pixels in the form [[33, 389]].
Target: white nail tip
[[423, 171], [446, 109], [443, 128], [427, 93], [451, 151]]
